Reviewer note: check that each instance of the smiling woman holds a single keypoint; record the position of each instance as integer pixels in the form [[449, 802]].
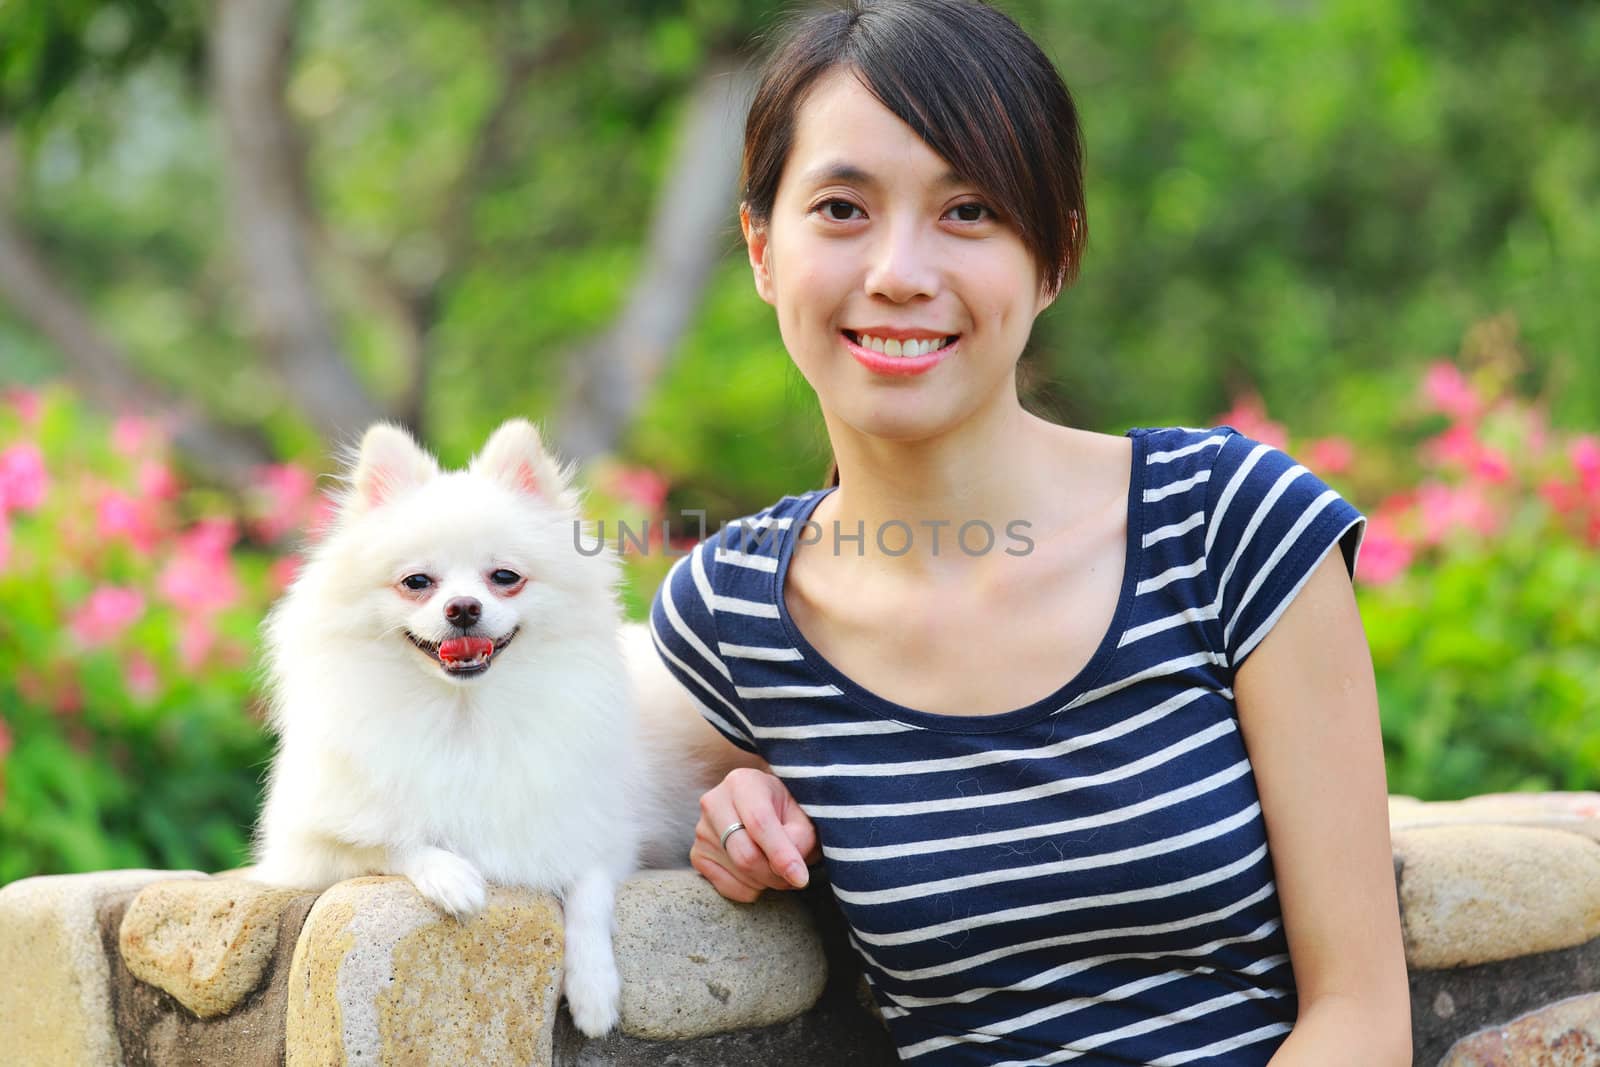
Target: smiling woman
[[1113, 798]]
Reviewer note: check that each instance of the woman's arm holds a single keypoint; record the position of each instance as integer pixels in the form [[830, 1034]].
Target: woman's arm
[[1308, 710], [733, 785]]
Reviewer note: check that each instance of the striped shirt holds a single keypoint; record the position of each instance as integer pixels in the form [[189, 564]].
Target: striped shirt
[[1085, 879]]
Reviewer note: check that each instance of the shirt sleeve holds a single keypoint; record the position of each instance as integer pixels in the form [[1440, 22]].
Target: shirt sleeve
[[1271, 524], [683, 625]]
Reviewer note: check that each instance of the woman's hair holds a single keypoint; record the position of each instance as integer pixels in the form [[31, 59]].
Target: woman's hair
[[971, 84]]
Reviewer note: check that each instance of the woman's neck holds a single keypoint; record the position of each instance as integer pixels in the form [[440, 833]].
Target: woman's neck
[[1009, 467]]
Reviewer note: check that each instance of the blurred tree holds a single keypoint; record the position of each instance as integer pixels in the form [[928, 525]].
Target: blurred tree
[[460, 212], [290, 255]]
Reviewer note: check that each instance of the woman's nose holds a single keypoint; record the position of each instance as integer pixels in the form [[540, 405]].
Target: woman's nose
[[902, 268]]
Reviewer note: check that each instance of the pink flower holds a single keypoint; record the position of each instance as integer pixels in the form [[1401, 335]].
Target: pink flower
[[108, 611], [5, 740], [26, 403], [639, 486], [282, 572], [119, 515], [1249, 416], [1445, 389], [1384, 555], [156, 480], [1330, 455], [285, 496], [1456, 447], [134, 435], [142, 679], [1492, 466], [1563, 499], [195, 641], [1445, 509], [23, 480], [194, 583], [1585, 455], [200, 576]]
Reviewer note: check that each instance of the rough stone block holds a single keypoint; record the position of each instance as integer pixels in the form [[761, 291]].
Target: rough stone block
[[694, 964], [1575, 812], [207, 942], [1564, 1033], [55, 999], [1472, 894], [380, 976]]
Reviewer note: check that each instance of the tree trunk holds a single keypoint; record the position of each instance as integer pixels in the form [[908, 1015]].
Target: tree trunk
[[610, 377], [269, 210]]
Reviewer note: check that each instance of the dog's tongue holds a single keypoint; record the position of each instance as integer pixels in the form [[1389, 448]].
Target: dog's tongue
[[465, 649]]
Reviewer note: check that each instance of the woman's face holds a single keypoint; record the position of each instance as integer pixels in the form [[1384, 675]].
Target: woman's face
[[874, 246]]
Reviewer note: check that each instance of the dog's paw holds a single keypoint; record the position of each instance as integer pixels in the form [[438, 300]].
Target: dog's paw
[[594, 997], [449, 882]]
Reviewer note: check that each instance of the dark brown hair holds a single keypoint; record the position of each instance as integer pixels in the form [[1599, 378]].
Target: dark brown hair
[[971, 84]]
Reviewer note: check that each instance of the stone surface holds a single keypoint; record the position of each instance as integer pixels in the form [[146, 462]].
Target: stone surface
[[380, 976], [693, 963], [1575, 812], [157, 1031], [1563, 1034], [55, 997], [836, 1032], [205, 942], [1472, 894], [1450, 1004]]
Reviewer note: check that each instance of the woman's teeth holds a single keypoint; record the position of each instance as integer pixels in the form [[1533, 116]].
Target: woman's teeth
[[892, 347]]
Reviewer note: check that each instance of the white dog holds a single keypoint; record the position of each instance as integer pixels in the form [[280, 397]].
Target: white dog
[[452, 703]]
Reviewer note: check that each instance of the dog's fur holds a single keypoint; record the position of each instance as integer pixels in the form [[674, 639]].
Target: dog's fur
[[535, 772]]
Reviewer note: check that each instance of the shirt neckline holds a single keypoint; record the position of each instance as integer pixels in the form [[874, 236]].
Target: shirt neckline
[[998, 722]]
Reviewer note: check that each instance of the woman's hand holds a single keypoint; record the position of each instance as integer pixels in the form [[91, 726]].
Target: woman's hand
[[772, 850]]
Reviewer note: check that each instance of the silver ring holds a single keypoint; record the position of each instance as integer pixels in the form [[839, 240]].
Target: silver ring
[[729, 832]]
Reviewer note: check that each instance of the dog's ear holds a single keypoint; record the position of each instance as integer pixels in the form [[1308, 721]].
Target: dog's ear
[[389, 462], [515, 457]]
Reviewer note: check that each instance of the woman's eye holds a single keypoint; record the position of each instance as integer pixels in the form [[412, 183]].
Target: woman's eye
[[839, 210], [505, 577], [416, 582], [971, 211]]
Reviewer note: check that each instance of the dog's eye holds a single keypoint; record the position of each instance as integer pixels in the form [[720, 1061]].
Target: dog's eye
[[505, 577], [416, 582]]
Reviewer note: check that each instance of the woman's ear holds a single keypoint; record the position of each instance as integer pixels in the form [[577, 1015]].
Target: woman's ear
[[755, 241]]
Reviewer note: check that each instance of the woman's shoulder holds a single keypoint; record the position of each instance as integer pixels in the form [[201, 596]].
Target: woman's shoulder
[[741, 550]]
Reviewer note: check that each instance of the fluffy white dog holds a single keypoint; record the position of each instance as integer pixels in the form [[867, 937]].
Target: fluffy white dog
[[452, 702]]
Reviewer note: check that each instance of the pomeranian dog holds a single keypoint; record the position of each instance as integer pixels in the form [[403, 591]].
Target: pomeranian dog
[[451, 695]]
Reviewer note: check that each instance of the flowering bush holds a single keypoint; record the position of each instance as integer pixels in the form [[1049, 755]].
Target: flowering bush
[[129, 734], [1479, 583]]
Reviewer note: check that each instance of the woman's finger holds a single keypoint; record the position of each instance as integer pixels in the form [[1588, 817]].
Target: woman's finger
[[739, 856], [804, 835], [722, 881], [756, 801]]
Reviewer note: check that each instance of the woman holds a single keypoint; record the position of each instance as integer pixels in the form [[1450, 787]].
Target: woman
[[1082, 726]]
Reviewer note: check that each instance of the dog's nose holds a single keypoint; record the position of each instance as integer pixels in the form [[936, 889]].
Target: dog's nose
[[463, 611]]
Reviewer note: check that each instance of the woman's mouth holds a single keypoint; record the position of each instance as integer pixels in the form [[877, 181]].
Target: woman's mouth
[[891, 355]]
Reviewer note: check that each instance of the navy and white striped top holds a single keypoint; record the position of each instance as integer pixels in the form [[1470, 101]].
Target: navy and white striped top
[[1084, 879]]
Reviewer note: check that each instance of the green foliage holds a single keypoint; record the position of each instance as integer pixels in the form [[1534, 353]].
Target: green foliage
[[1487, 671], [51, 46], [127, 731]]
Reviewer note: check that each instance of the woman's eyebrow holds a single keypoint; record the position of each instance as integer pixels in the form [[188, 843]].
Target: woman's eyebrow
[[850, 174]]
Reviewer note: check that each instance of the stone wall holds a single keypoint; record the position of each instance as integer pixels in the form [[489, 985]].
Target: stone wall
[[1499, 898]]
